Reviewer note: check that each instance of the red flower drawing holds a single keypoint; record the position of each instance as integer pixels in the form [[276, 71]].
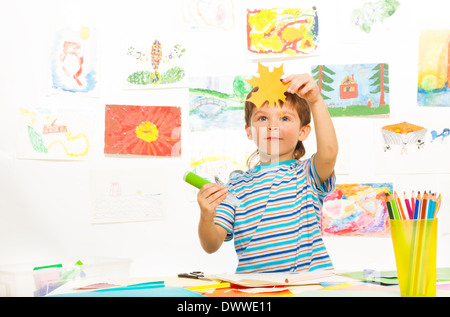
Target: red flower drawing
[[143, 130]]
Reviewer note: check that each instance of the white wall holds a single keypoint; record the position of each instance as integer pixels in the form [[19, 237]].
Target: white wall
[[45, 205]]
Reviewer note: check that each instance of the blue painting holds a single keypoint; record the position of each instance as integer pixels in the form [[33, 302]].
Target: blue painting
[[73, 61]]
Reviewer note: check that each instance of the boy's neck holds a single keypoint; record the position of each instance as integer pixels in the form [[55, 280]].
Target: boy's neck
[[274, 161], [278, 159]]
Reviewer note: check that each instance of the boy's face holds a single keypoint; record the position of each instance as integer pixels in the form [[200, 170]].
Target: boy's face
[[276, 132]]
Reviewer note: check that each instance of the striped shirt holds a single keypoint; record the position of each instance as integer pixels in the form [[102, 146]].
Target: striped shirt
[[276, 228]]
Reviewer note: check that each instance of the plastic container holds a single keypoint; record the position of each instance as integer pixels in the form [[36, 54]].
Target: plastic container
[[23, 280], [415, 256]]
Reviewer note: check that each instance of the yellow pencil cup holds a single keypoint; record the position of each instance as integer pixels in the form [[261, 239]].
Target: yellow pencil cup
[[414, 244]]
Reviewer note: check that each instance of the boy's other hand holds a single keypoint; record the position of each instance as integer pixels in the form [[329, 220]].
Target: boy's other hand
[[209, 197]]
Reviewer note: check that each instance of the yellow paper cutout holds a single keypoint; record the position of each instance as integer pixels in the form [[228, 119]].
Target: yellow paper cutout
[[271, 88]]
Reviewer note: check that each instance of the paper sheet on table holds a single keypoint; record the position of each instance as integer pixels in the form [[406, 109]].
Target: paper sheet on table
[[344, 293], [271, 279]]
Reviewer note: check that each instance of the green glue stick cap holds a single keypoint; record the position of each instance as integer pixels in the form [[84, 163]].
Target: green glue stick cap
[[198, 182], [195, 180]]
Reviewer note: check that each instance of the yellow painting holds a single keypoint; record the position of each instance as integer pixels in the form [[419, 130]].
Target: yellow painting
[[282, 32], [434, 68]]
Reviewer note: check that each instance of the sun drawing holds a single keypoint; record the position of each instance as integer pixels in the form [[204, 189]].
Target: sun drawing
[[142, 130], [147, 131]]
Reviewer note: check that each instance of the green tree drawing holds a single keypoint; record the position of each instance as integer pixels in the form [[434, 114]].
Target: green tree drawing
[[322, 75], [240, 87], [381, 81]]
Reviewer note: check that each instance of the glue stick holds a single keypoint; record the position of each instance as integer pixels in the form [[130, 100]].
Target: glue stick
[[198, 182], [195, 180]]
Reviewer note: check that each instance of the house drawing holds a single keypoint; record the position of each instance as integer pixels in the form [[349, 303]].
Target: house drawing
[[348, 88]]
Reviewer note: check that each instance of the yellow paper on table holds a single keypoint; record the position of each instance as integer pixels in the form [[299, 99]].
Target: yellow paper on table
[[335, 287], [211, 287], [414, 244]]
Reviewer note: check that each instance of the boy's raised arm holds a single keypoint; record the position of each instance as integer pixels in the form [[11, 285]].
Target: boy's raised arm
[[327, 145]]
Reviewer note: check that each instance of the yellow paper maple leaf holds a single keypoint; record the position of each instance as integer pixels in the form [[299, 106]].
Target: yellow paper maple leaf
[[271, 88]]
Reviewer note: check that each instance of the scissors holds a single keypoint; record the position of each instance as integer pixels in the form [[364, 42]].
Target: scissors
[[195, 274]]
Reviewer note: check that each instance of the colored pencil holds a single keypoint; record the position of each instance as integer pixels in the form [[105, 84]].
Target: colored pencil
[[408, 207], [399, 206], [424, 205], [389, 207], [413, 202], [438, 205], [431, 207], [416, 209], [394, 207]]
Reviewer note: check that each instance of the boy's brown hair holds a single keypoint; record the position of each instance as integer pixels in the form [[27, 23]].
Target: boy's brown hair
[[292, 100]]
